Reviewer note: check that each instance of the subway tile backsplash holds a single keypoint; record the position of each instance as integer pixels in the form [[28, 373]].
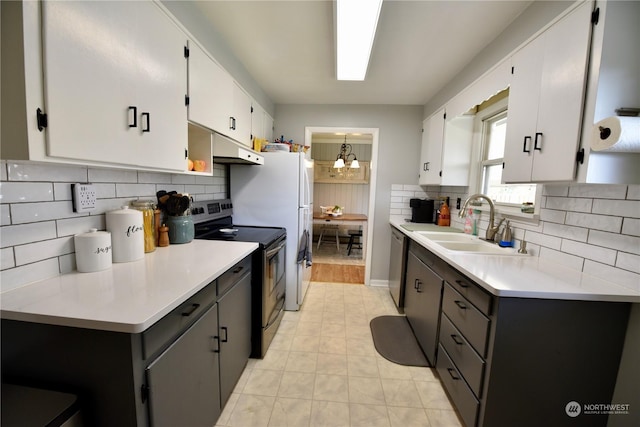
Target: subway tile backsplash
[[37, 218], [589, 227]]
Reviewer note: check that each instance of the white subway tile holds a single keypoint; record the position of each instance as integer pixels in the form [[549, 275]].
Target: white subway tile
[[67, 263], [106, 205], [412, 187], [205, 196], [633, 192], [395, 211], [397, 187], [219, 180], [584, 250], [618, 276], [194, 189], [595, 222], [5, 215], [619, 242], [135, 190], [18, 192], [62, 191], [44, 172], [404, 193], [33, 252], [170, 187], [631, 226], [213, 188], [16, 277], [204, 180], [105, 191], [628, 262], [599, 191], [626, 208], [565, 231], [154, 178], [395, 199], [541, 239], [555, 190], [568, 260], [72, 226], [183, 179], [6, 258], [569, 204], [552, 215], [112, 175], [3, 170], [396, 205], [21, 234], [42, 211]]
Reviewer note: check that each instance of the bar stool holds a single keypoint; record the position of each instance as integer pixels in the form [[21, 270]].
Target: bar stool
[[330, 228], [353, 234]]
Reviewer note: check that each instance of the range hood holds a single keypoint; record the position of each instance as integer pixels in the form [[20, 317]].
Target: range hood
[[226, 150]]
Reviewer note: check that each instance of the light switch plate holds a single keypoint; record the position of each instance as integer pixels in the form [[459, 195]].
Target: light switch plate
[[84, 197]]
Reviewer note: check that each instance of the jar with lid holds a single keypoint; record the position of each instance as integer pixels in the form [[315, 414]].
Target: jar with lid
[[147, 207]]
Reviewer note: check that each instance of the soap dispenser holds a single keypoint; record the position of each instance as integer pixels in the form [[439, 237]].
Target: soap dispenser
[[507, 238]]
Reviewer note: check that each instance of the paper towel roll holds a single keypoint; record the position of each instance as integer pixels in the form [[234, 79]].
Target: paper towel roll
[[617, 134]]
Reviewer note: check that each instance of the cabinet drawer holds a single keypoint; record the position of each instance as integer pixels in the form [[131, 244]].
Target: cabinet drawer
[[468, 362], [164, 331], [462, 396], [467, 288], [469, 320], [233, 275]]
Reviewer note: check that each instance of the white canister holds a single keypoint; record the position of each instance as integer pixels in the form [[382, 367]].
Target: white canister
[[127, 234], [93, 251]]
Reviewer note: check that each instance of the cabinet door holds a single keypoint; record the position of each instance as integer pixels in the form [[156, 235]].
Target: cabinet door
[[431, 154], [235, 335], [184, 380], [456, 150], [210, 91], [257, 121], [114, 83], [241, 116], [423, 291]]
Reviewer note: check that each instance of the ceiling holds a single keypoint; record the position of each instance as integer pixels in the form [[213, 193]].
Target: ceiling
[[288, 46]]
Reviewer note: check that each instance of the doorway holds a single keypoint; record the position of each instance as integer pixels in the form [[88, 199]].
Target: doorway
[[347, 260]]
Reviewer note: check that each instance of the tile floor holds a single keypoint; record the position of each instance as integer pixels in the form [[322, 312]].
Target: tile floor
[[322, 370]]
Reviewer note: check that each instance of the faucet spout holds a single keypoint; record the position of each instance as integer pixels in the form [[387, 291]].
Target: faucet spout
[[491, 229]]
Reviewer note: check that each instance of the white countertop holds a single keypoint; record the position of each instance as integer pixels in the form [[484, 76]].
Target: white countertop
[[128, 297], [524, 276]]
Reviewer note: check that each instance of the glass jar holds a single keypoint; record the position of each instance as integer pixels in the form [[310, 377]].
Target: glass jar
[[147, 207]]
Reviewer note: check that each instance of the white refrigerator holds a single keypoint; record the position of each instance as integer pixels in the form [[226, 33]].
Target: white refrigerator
[[280, 194]]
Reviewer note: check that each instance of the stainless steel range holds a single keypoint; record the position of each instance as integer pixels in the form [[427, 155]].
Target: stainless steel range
[[213, 221]]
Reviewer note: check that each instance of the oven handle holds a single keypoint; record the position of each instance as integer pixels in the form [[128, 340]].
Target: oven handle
[[277, 313], [275, 250]]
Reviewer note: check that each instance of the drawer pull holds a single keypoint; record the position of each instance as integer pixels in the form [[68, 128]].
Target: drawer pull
[[452, 373], [191, 309], [455, 339], [217, 340], [238, 269], [462, 284], [418, 285], [226, 335], [460, 305]]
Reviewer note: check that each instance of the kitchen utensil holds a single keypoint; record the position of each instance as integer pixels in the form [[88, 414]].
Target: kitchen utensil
[[127, 234], [93, 250], [229, 230]]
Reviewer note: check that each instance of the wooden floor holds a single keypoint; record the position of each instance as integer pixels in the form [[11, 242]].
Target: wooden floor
[[337, 273]]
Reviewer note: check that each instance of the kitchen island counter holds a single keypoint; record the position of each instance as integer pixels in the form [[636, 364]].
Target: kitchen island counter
[[522, 276], [128, 297]]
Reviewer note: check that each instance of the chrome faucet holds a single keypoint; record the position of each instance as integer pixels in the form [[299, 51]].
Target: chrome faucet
[[491, 229]]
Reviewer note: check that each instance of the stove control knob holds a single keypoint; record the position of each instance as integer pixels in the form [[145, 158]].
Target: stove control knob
[[201, 210], [194, 211]]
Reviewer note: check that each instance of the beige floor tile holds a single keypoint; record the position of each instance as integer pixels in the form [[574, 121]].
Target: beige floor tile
[[333, 330], [366, 390], [392, 370], [334, 388], [290, 413], [334, 318], [228, 409], [281, 342], [263, 383], [308, 343], [368, 415], [362, 366], [297, 385], [333, 345], [423, 374], [329, 414], [287, 327], [432, 395], [362, 346], [357, 330], [242, 381], [443, 418], [401, 393], [291, 316], [251, 411], [312, 316], [334, 364], [309, 328], [301, 362], [274, 360], [407, 417]]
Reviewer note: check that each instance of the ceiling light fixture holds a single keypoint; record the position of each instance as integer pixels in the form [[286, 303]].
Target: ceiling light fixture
[[343, 157], [356, 22]]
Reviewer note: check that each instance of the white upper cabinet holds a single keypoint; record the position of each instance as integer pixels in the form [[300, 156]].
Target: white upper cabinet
[[210, 91], [240, 117], [431, 152], [261, 123], [114, 84], [545, 101]]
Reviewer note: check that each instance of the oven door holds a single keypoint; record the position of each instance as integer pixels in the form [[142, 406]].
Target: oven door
[[274, 282]]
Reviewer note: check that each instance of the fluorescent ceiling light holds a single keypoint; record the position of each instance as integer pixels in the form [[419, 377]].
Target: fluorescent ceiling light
[[356, 22]]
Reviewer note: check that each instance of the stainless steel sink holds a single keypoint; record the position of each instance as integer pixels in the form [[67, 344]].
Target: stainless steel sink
[[465, 243]]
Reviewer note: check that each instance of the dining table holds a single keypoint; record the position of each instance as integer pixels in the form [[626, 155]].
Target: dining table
[[355, 220]]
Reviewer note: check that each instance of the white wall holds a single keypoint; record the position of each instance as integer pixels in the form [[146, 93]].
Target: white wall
[[399, 142]]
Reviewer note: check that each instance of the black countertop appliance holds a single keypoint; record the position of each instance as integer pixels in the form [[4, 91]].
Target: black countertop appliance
[[422, 210]]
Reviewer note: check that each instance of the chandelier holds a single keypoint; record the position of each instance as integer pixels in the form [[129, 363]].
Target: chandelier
[[345, 155]]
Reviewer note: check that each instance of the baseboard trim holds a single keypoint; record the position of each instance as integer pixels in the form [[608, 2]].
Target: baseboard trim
[[379, 283]]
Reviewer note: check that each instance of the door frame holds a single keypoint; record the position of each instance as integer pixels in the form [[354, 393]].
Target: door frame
[[308, 134]]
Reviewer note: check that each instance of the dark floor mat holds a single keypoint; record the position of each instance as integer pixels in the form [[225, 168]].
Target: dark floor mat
[[394, 340]]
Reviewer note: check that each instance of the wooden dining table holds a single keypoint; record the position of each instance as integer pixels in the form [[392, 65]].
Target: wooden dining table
[[349, 219]]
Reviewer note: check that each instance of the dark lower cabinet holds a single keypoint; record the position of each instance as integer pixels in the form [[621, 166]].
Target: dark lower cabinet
[[187, 394]]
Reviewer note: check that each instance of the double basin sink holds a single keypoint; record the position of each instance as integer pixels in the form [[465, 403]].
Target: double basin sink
[[465, 243]]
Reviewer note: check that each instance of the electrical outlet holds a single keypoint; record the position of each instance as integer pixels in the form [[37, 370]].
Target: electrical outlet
[[84, 197]]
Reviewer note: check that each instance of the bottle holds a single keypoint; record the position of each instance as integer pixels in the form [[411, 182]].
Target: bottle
[[147, 207], [444, 220], [468, 222]]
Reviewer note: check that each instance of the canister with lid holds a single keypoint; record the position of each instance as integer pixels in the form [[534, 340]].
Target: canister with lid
[[93, 250], [147, 207], [127, 234]]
